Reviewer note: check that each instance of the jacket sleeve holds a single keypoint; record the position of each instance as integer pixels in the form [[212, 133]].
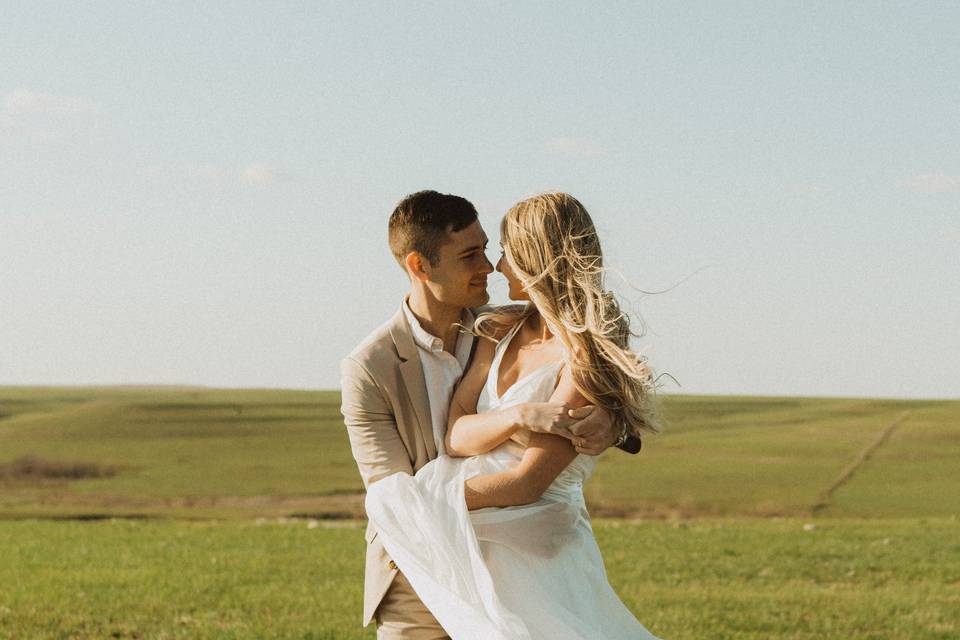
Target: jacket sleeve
[[371, 425]]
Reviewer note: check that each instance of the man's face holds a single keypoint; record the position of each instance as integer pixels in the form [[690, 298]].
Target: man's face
[[460, 276]]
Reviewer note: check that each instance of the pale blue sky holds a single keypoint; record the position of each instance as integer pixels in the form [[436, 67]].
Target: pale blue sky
[[199, 194]]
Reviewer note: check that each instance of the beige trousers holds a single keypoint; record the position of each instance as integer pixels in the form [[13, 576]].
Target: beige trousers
[[401, 615]]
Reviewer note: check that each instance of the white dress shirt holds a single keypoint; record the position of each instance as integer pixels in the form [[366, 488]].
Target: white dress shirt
[[441, 371]]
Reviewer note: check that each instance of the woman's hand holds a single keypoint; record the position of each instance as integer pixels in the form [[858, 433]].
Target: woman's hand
[[546, 417]]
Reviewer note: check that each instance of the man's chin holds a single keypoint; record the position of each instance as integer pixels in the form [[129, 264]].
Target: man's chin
[[479, 299]]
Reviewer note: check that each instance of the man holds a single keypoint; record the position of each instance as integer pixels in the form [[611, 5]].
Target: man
[[397, 384]]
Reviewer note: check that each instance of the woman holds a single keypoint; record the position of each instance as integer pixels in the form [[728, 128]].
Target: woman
[[528, 566]]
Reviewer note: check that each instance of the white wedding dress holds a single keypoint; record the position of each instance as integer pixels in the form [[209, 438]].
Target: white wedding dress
[[516, 573]]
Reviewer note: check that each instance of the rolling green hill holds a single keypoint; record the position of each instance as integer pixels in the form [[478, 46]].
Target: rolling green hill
[[199, 452]]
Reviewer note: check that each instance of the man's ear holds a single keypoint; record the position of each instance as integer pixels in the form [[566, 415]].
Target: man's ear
[[417, 266]]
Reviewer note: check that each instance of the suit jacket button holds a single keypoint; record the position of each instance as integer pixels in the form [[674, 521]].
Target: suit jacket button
[[393, 565]]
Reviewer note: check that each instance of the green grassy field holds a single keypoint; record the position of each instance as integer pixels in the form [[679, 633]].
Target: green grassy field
[[234, 514], [708, 579], [247, 453], [178, 579]]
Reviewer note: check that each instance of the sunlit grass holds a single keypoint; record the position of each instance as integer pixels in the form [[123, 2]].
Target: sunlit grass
[[716, 579]]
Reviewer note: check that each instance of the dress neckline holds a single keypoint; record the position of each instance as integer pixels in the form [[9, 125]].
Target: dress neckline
[[494, 375]]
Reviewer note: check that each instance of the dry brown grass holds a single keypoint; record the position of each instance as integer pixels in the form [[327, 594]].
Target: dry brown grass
[[35, 467]]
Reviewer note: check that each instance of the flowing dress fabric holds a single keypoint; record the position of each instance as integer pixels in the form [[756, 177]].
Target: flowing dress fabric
[[515, 573]]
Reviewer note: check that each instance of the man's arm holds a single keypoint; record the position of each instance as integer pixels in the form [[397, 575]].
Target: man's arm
[[371, 425]]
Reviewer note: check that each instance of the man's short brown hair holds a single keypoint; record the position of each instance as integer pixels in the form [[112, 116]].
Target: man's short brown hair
[[422, 221]]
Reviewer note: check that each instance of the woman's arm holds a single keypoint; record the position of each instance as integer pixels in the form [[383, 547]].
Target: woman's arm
[[545, 457], [470, 433]]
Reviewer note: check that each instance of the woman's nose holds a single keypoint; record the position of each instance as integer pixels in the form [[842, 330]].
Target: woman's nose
[[500, 264]]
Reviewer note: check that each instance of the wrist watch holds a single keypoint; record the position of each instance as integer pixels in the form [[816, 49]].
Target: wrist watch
[[626, 442], [623, 436]]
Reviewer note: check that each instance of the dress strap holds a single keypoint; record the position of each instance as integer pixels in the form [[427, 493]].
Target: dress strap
[[494, 374]]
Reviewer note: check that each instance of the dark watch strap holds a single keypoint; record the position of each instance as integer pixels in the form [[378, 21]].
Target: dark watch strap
[[631, 445]]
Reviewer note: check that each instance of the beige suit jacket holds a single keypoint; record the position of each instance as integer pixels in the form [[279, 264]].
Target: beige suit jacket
[[387, 412]]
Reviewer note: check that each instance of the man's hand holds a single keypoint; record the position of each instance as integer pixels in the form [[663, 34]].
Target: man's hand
[[546, 417], [595, 431]]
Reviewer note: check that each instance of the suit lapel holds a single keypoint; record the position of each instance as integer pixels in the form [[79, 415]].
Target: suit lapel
[[413, 380]]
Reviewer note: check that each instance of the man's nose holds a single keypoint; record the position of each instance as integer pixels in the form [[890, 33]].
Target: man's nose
[[487, 266]]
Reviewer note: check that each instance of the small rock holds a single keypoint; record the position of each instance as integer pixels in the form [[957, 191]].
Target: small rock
[[809, 526], [313, 524]]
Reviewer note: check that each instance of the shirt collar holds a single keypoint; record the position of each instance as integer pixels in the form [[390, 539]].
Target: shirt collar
[[428, 341]]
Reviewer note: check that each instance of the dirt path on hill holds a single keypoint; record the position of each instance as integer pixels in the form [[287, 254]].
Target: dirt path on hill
[[859, 461]]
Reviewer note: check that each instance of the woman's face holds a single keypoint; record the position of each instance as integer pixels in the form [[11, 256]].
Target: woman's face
[[516, 287]]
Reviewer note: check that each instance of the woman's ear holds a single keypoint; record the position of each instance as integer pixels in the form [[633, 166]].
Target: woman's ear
[[417, 267]]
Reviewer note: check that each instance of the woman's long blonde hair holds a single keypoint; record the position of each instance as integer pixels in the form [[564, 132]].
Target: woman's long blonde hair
[[552, 246]]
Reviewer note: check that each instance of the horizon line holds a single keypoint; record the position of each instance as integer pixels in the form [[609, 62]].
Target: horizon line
[[205, 387]]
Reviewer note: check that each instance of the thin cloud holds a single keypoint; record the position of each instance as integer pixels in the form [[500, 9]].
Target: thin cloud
[[258, 174], [573, 147], [26, 102], [931, 183]]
